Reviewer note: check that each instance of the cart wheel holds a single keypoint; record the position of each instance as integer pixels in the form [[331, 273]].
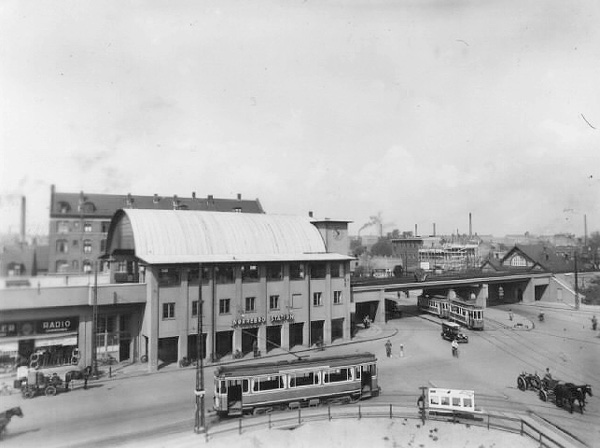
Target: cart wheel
[[543, 395], [50, 391], [521, 383]]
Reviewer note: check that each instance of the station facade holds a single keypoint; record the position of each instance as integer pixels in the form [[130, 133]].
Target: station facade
[[264, 281]]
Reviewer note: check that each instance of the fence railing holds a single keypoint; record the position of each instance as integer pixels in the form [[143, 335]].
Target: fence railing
[[518, 425]]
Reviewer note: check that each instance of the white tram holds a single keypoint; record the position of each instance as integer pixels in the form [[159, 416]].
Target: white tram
[[435, 304], [455, 402], [467, 314], [264, 387]]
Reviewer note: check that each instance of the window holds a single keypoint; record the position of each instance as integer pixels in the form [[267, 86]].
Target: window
[[87, 227], [193, 275], [296, 300], [337, 297], [337, 270], [103, 245], [62, 266], [224, 306], [224, 274], [62, 246], [268, 383], [297, 271], [337, 375], [517, 260], [304, 379], [64, 207], [249, 273], [75, 243], [274, 302], [317, 299], [274, 272], [87, 247], [318, 270], [194, 308], [62, 227], [75, 265], [169, 310], [105, 225], [250, 304], [167, 277], [87, 266]]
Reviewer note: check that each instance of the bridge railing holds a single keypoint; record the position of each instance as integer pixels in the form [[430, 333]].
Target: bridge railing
[[518, 425]]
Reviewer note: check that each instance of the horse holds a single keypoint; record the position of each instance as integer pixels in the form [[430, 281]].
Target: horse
[[564, 395], [580, 393], [82, 374], [7, 415]]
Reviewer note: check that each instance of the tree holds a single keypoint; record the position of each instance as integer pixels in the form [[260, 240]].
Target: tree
[[592, 292], [356, 247], [383, 248]]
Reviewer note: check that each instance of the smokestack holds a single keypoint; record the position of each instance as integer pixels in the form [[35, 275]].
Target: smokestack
[[23, 218], [239, 196], [416, 231], [434, 229], [470, 226], [193, 195], [310, 214]]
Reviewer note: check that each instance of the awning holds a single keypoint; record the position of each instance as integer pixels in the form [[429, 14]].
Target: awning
[[64, 341]]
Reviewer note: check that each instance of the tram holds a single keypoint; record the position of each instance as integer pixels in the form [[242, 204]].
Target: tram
[[455, 402], [467, 314], [437, 305], [259, 388]]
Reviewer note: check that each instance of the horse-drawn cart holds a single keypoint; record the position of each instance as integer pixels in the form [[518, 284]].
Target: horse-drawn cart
[[37, 383], [528, 381], [564, 394]]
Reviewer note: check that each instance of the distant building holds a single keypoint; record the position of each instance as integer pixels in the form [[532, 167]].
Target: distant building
[[530, 258], [408, 250], [23, 260], [79, 222]]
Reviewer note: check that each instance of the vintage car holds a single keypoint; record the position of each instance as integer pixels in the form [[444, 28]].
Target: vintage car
[[451, 331]]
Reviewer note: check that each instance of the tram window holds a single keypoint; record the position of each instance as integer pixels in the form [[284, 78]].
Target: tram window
[[303, 379], [268, 383], [445, 401], [434, 400], [455, 401], [245, 386], [337, 375], [223, 387], [357, 373], [467, 403]]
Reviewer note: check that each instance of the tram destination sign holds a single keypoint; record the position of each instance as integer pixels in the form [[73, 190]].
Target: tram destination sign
[[39, 326]]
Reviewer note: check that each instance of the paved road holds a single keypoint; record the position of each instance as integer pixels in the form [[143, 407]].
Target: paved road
[[128, 409]]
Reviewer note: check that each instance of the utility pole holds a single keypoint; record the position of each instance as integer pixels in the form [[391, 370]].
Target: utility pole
[[95, 323], [200, 425], [576, 284]]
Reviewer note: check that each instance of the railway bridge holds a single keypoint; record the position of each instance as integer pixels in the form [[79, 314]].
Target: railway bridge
[[376, 297]]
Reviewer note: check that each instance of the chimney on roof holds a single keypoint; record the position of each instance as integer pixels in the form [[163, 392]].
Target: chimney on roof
[[310, 214], [193, 195], [416, 231], [175, 202], [239, 196], [129, 200], [155, 199], [81, 198], [211, 199]]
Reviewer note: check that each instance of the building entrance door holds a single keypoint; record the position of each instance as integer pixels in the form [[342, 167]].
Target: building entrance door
[[273, 337], [124, 349]]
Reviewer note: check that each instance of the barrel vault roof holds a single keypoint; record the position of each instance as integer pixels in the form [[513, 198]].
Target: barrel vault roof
[[175, 236]]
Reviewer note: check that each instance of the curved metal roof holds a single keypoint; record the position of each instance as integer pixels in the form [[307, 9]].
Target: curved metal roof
[[186, 236]]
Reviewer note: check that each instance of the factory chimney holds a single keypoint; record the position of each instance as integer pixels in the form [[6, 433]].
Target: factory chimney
[[23, 218], [470, 226]]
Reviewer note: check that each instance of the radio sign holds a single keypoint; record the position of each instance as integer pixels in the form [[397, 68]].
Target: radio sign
[[60, 325]]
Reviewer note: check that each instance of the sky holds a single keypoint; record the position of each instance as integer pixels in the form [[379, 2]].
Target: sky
[[417, 111]]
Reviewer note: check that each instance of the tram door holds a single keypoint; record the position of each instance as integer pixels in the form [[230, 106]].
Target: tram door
[[365, 383], [234, 398]]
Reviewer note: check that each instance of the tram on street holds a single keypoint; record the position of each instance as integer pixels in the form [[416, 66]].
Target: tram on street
[[437, 305], [455, 402], [259, 388], [467, 314]]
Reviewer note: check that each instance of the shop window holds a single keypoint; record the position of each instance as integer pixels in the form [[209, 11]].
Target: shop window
[[337, 297], [274, 272], [87, 227], [249, 273], [250, 304], [168, 277], [224, 306], [317, 299], [318, 270], [62, 227], [195, 308], [87, 247], [62, 246], [224, 274], [168, 310], [274, 302], [297, 271]]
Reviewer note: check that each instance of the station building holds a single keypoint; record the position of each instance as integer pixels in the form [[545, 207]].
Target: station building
[[264, 281]]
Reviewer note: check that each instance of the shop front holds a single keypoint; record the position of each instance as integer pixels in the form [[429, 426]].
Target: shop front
[[39, 343]]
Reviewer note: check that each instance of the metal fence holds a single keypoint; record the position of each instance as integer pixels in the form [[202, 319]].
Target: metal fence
[[296, 417]]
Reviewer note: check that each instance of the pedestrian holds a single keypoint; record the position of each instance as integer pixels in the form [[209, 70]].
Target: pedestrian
[[510, 314], [401, 350], [454, 347], [388, 348], [594, 322]]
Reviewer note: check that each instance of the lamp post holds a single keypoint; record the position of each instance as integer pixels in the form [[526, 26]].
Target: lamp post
[[95, 323], [200, 425]]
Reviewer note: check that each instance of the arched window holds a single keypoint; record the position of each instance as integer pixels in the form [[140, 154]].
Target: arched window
[[517, 261], [64, 207]]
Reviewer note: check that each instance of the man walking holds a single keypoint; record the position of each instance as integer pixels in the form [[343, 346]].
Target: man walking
[[388, 348]]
